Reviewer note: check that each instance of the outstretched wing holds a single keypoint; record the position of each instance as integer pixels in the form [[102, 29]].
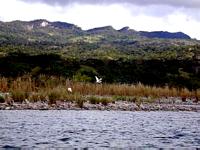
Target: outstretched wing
[[97, 79]]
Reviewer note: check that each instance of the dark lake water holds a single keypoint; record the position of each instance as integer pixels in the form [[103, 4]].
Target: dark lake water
[[99, 129]]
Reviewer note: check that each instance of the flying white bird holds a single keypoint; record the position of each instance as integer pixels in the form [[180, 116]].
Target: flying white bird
[[69, 90], [98, 80]]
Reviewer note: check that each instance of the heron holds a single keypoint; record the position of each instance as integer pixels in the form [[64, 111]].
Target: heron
[[98, 80], [69, 90]]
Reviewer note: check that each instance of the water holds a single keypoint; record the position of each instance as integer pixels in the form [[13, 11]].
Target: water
[[99, 129]]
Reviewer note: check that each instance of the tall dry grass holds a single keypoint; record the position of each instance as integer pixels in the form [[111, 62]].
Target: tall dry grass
[[45, 88], [4, 84], [132, 90]]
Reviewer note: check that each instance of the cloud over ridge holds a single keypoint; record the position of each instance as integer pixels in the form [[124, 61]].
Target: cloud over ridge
[[147, 15], [174, 3]]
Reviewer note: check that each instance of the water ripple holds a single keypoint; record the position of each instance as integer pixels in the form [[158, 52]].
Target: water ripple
[[99, 129]]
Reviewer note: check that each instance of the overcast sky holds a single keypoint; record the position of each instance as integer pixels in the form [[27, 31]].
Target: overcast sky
[[146, 15]]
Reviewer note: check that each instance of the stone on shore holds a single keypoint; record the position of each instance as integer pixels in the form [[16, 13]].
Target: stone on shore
[[163, 104]]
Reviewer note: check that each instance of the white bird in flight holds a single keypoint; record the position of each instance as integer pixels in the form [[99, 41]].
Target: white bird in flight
[[98, 80], [69, 90]]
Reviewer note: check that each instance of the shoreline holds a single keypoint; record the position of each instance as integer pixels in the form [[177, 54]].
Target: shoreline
[[116, 106]]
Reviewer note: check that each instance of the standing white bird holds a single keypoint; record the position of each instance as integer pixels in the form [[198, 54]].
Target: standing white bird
[[98, 80], [69, 90]]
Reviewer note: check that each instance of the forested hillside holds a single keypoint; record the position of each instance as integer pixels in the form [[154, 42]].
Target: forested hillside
[[120, 56]]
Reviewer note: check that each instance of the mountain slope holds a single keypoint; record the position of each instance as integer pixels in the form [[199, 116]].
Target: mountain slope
[[39, 36], [165, 35], [43, 30], [38, 30]]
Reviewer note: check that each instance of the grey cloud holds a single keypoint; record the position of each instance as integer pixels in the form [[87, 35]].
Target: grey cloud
[[175, 3]]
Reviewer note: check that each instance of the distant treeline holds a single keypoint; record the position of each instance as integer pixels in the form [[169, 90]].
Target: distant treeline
[[177, 73]]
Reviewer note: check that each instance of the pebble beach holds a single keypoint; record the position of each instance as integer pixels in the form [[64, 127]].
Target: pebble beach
[[164, 104]]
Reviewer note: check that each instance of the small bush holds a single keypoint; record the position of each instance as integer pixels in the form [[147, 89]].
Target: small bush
[[34, 97], [53, 97], [43, 96], [2, 99], [120, 98], [125, 98], [105, 101], [72, 97], [80, 103], [79, 100], [69, 97], [133, 99], [138, 101], [55, 94], [19, 96], [94, 100]]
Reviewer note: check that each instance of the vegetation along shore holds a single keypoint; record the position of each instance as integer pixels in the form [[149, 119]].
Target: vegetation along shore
[[46, 93]]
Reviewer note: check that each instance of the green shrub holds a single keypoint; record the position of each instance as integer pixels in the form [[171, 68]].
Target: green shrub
[[94, 100], [80, 103], [120, 98], [125, 98], [79, 100], [85, 74], [54, 95], [81, 78], [19, 96], [2, 99], [69, 97], [132, 99], [105, 101]]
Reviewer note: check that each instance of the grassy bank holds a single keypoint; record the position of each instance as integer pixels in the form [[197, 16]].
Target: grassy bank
[[52, 89]]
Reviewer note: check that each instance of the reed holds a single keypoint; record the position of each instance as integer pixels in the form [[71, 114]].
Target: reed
[[54, 88], [34, 97], [4, 84]]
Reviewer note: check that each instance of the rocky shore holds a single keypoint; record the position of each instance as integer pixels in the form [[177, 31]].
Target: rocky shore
[[159, 105]]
